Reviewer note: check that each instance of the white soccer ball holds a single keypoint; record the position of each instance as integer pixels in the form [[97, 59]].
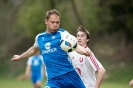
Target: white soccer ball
[[68, 43]]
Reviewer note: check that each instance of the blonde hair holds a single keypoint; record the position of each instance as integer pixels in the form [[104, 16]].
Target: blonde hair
[[50, 12]]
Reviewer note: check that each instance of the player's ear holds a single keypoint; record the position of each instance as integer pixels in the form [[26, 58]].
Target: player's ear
[[46, 21], [88, 40]]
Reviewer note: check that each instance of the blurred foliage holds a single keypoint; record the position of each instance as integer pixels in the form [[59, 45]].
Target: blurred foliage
[[31, 17], [32, 14], [122, 17]]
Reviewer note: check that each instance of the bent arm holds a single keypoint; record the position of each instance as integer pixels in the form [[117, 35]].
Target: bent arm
[[30, 52], [83, 51], [100, 76]]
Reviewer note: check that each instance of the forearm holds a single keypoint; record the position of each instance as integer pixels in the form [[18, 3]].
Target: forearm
[[100, 76], [30, 52], [82, 51]]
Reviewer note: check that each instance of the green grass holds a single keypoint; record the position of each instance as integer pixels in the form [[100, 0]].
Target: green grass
[[111, 84], [14, 83]]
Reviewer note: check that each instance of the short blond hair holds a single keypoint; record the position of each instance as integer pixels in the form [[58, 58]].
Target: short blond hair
[[50, 12]]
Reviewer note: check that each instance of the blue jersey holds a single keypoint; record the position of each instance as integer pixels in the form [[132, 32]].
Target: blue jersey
[[55, 59], [36, 63], [37, 67]]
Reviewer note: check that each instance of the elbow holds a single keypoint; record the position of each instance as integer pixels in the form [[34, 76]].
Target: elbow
[[102, 71]]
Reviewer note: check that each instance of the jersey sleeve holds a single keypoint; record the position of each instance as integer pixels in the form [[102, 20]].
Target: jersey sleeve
[[64, 32], [36, 41], [94, 62], [29, 62]]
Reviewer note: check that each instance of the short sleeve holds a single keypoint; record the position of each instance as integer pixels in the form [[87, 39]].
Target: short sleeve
[[29, 61], [36, 41], [64, 33], [94, 62]]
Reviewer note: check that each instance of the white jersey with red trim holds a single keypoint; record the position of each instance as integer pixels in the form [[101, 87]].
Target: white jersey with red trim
[[86, 67]]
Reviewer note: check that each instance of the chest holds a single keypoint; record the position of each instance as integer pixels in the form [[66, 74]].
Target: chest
[[36, 62], [77, 59], [50, 41]]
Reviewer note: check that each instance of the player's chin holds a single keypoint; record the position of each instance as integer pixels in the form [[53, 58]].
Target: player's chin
[[79, 43], [54, 30]]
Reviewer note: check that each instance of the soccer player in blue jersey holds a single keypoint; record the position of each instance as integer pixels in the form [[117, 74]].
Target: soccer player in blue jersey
[[35, 69], [60, 72]]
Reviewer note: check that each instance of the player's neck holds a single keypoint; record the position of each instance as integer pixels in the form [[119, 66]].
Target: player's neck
[[85, 46]]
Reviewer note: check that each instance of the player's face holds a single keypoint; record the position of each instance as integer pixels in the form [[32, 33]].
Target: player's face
[[82, 38], [52, 23]]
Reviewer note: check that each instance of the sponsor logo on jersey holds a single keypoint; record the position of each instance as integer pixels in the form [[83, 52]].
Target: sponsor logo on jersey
[[47, 45], [81, 59], [48, 48], [35, 62], [53, 37]]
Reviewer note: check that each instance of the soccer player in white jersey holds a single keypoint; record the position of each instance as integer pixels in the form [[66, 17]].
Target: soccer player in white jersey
[[86, 66], [60, 72], [35, 69]]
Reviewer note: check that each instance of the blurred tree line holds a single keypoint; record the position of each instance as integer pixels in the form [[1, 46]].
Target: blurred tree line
[[22, 20]]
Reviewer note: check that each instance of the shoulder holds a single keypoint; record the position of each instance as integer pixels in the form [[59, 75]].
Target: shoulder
[[29, 60], [72, 53], [43, 33], [63, 32], [40, 56]]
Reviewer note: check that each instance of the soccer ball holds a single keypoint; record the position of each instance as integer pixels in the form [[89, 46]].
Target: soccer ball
[[68, 43]]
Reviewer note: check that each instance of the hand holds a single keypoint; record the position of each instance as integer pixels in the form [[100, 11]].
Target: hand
[[27, 75], [131, 83], [87, 52], [15, 58]]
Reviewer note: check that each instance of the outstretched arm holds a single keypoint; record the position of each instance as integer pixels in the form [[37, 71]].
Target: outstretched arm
[[100, 76], [30, 52]]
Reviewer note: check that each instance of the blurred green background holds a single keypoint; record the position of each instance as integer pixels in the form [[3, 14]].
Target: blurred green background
[[110, 23]]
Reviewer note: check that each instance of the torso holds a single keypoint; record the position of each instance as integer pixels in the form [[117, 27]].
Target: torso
[[55, 59], [85, 68]]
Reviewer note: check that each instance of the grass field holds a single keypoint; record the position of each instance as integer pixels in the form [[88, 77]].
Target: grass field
[[114, 85], [14, 83]]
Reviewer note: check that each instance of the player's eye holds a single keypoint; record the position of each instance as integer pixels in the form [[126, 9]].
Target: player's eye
[[57, 22], [82, 35]]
